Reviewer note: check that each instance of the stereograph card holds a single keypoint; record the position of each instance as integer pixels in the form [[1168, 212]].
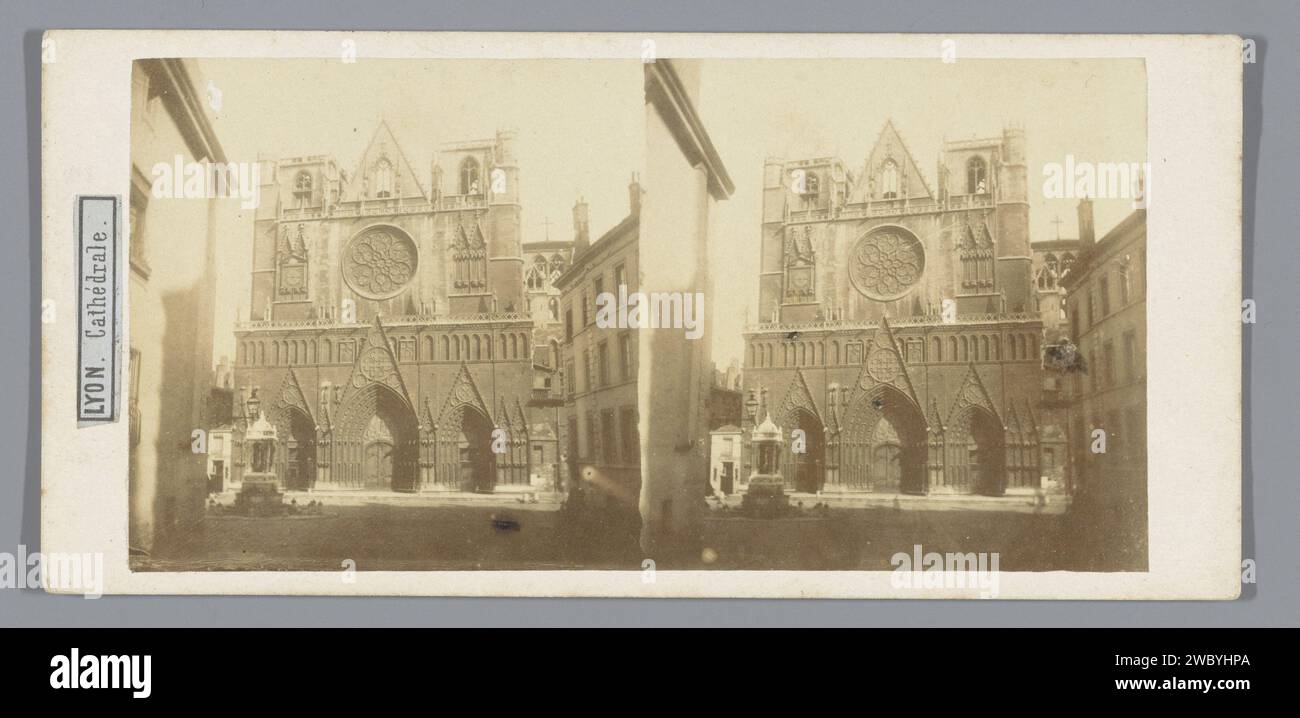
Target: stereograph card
[[798, 316]]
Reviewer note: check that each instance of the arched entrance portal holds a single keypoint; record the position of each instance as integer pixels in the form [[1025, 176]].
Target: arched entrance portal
[[886, 458], [478, 469], [300, 452], [883, 443], [805, 471], [376, 442], [976, 455], [377, 450]]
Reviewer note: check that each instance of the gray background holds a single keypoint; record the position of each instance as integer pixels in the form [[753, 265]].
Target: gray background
[[1270, 257]]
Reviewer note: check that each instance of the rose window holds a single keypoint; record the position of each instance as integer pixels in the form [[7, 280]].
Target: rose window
[[379, 263], [885, 265]]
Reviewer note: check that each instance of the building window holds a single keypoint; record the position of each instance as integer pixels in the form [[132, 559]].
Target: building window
[[538, 275], [1050, 272], [302, 187], [608, 442], [1103, 288], [570, 378], [384, 178], [469, 176], [631, 440], [977, 176], [136, 214], [977, 260], [586, 369], [586, 308], [1142, 270], [889, 180], [811, 184], [571, 440], [1108, 364], [593, 437], [1092, 308], [602, 359], [469, 255], [1125, 287], [620, 276], [597, 289], [568, 325], [625, 355], [1130, 355]]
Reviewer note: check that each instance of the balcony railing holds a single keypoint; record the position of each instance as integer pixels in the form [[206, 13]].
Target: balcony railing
[[404, 320], [892, 208], [918, 321], [383, 206]]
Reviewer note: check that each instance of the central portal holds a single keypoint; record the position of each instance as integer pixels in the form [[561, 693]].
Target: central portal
[[377, 459], [378, 467], [477, 462], [375, 443]]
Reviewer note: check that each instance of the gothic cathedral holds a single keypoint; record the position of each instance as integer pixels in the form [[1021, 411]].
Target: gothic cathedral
[[898, 328], [391, 339]]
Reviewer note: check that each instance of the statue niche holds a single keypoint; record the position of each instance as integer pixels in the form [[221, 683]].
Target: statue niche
[[291, 265], [800, 265]]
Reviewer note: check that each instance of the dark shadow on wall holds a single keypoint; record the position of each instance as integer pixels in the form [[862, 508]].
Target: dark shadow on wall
[[176, 512]]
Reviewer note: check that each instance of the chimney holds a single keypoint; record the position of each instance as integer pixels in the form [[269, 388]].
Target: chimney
[[634, 195], [581, 226], [1087, 235]]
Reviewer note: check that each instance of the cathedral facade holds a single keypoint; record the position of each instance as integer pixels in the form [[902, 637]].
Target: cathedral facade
[[898, 328], [391, 337]]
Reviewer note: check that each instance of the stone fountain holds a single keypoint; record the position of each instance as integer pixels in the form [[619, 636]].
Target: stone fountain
[[260, 493], [765, 497]]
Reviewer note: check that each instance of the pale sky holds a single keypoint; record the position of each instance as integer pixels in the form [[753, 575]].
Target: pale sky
[[580, 125], [1094, 109]]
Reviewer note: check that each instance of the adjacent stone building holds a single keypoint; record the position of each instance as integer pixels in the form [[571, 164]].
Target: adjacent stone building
[[1106, 305], [602, 441]]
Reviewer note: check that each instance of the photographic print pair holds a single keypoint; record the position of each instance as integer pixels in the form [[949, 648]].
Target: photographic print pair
[[665, 315]]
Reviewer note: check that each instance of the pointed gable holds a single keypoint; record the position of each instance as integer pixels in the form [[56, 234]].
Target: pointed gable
[[933, 419], [463, 393], [797, 397], [884, 365], [375, 363], [291, 396], [970, 394], [521, 420], [874, 181], [1031, 428], [1013, 420], [383, 164]]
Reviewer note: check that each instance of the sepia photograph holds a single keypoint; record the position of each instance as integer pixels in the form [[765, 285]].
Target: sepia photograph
[[929, 320], [347, 280], [757, 321]]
